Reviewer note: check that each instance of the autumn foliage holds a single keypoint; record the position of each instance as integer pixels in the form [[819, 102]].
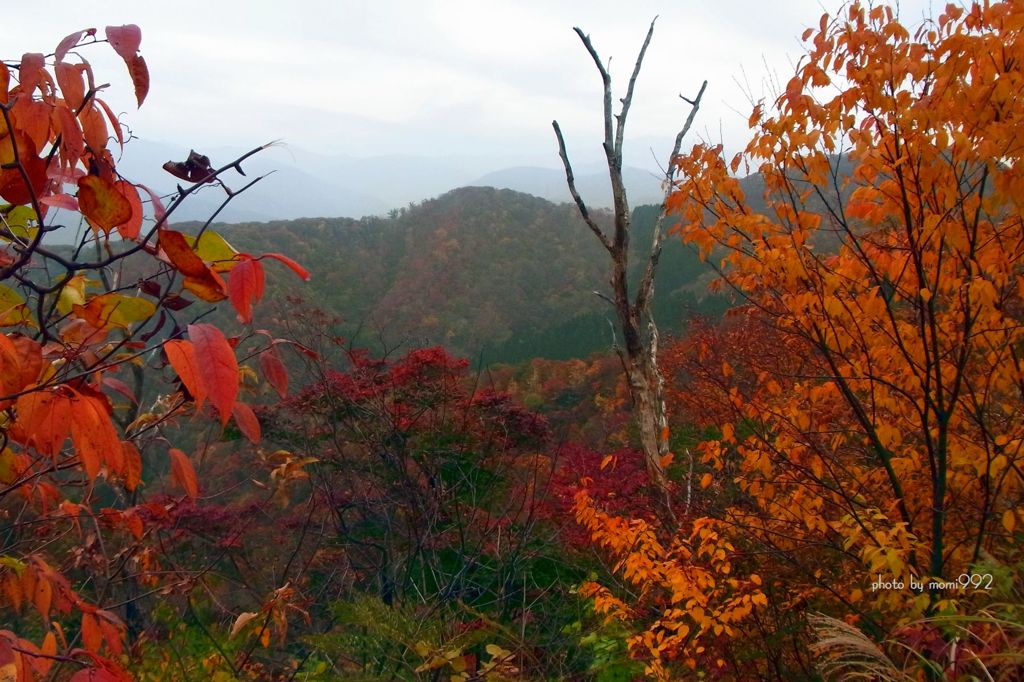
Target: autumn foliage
[[867, 397], [182, 497], [94, 282]]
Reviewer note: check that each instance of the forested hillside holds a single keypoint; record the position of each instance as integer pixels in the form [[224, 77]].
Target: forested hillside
[[479, 270], [469, 442]]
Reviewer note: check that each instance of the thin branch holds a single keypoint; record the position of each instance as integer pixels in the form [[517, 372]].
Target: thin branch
[[571, 181], [645, 291], [606, 80], [628, 99]]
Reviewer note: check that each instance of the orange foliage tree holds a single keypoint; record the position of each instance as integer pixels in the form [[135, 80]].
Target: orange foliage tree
[[93, 282], [878, 439]]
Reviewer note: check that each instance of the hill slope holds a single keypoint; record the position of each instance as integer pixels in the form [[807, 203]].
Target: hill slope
[[477, 269]]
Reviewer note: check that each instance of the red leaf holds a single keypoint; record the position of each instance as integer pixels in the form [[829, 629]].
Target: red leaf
[[218, 367], [120, 387], [158, 206], [245, 286], [247, 422], [182, 356], [295, 267], [30, 359], [10, 368], [65, 201], [103, 205], [70, 41], [274, 371], [125, 40], [183, 473], [30, 70], [12, 185]]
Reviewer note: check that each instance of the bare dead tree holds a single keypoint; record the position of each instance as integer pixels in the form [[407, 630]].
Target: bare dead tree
[[639, 350]]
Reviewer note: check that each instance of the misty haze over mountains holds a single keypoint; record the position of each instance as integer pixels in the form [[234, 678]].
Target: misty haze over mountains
[[299, 184]]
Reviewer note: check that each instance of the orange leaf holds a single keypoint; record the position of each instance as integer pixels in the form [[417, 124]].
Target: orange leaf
[[69, 78], [1009, 520], [139, 72], [43, 421], [182, 356], [92, 637], [199, 279], [43, 598], [247, 422], [42, 664], [103, 205], [130, 228], [183, 473], [132, 465], [217, 365], [94, 128], [92, 432], [114, 123], [72, 140]]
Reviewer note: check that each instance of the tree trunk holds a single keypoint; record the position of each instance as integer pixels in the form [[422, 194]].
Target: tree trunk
[[639, 354]]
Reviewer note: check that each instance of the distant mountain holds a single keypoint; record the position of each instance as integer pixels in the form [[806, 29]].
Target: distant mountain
[[480, 270], [297, 183], [642, 186], [284, 192]]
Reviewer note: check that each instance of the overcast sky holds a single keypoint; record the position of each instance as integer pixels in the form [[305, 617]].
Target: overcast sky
[[430, 78]]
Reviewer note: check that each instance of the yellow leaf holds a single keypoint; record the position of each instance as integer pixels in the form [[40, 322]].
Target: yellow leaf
[[71, 294], [13, 310], [706, 480], [213, 249]]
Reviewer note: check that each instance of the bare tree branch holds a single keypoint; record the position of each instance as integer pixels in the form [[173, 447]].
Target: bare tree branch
[[628, 99], [640, 335], [571, 181], [645, 291]]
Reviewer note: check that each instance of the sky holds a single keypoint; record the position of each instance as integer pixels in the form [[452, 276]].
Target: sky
[[453, 77]]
